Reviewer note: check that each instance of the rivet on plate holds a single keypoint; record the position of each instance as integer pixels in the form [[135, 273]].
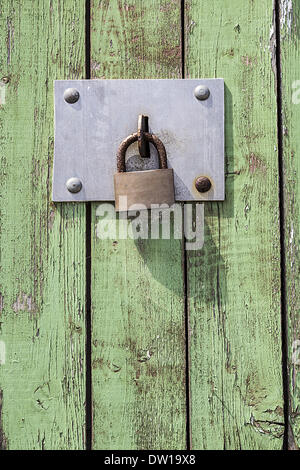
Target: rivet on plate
[[71, 95], [203, 184], [201, 92], [74, 185]]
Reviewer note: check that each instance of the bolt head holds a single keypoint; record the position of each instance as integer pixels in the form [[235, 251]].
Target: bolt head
[[201, 92], [74, 185], [71, 95], [202, 184]]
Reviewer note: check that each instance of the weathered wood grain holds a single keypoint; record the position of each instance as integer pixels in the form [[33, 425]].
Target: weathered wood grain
[[42, 246], [138, 331], [290, 57], [234, 281]]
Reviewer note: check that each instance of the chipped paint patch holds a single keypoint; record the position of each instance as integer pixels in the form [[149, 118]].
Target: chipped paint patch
[[272, 428], [51, 219], [2, 353], [296, 352], [9, 39], [23, 303], [145, 355], [272, 46], [291, 240], [2, 92], [95, 65], [286, 14]]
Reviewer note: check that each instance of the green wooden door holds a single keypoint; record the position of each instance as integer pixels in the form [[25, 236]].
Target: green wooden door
[[123, 344]]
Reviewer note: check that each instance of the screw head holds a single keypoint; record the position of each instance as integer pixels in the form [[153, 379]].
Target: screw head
[[71, 95], [74, 185], [201, 92], [203, 184]]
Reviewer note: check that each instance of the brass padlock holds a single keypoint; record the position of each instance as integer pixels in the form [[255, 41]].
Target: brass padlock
[[143, 188]]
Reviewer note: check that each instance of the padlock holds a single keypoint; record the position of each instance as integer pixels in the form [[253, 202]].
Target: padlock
[[143, 188]]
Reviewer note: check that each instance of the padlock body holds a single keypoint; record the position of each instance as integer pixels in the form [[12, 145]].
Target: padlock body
[[144, 188]]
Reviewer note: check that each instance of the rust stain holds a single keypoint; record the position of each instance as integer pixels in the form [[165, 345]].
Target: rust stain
[[172, 52], [166, 7], [121, 167], [97, 363], [229, 52], [138, 374], [249, 61], [152, 371], [278, 410], [256, 163], [73, 327]]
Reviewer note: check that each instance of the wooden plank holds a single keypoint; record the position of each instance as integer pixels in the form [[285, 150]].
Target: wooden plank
[[138, 332], [290, 56], [42, 371], [234, 281]]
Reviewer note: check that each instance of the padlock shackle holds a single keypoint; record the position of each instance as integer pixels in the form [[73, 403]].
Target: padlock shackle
[[162, 154]]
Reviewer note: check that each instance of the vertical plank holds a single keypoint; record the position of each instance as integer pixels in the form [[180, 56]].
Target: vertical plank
[[290, 56], [42, 246], [234, 281], [138, 332]]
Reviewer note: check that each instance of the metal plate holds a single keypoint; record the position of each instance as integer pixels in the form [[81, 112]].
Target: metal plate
[[88, 133]]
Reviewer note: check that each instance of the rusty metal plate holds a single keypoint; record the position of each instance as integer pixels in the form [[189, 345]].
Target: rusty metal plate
[[89, 131]]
